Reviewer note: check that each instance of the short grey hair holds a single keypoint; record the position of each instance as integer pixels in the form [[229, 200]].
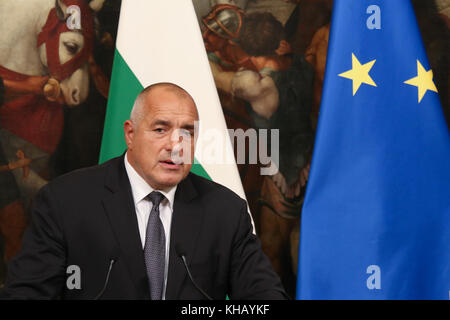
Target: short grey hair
[[137, 112]]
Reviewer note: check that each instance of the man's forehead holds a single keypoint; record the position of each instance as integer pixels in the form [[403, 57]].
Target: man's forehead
[[171, 111], [162, 114]]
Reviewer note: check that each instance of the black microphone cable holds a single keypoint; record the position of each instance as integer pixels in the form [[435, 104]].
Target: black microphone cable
[[181, 254], [111, 264]]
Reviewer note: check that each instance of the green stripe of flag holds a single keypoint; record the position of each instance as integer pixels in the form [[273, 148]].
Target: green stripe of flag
[[123, 90]]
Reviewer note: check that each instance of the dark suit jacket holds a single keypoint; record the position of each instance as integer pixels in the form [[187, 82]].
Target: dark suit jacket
[[87, 217]]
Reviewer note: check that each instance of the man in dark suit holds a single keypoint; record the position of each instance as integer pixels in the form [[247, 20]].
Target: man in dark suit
[[128, 226]]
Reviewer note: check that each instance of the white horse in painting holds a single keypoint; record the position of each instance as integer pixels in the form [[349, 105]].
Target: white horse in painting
[[21, 22]]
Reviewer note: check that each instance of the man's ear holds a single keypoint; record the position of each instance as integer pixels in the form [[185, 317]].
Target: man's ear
[[129, 131]]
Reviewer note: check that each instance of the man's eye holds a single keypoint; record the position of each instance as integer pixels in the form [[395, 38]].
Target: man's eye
[[185, 133], [159, 130]]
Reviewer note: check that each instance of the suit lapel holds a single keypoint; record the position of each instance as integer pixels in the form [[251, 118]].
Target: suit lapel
[[186, 225], [119, 207]]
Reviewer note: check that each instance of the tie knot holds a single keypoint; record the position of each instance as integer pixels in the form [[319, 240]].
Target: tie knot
[[155, 197]]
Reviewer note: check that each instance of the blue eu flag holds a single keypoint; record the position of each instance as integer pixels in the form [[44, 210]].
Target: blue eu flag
[[376, 217]]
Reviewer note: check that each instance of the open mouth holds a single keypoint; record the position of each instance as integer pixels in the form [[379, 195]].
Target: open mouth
[[170, 164]]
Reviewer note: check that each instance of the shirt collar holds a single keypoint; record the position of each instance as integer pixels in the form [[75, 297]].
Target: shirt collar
[[141, 189]]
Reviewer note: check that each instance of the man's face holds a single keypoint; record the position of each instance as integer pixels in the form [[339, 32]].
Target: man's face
[[168, 118]]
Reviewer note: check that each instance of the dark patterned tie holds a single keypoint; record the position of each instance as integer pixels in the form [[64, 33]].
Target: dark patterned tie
[[155, 248]]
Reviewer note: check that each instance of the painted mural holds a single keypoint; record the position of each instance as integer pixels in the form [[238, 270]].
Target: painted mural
[[55, 63]]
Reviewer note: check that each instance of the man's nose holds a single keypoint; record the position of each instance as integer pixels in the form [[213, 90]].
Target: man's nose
[[173, 141]]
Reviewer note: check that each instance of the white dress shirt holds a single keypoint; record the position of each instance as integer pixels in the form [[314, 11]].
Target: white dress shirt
[[140, 190]]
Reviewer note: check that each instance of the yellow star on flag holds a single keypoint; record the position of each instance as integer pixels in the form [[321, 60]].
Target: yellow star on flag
[[423, 81], [359, 73]]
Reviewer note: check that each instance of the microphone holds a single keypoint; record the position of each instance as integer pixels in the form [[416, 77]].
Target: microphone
[[181, 253], [113, 259]]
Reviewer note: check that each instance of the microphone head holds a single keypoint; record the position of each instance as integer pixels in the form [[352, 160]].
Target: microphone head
[[114, 254], [179, 249]]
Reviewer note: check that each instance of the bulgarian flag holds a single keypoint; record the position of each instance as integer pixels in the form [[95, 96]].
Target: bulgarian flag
[[160, 41]]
